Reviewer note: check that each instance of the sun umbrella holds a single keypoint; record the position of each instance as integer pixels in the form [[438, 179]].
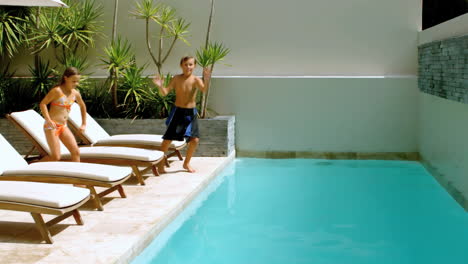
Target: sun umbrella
[[32, 3]]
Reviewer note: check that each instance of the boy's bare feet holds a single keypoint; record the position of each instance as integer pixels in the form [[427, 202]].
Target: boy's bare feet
[[189, 168]]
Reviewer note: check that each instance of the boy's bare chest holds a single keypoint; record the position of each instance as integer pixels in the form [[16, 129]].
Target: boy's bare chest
[[184, 86]]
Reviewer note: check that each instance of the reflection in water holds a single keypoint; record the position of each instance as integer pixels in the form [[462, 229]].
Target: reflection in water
[[307, 211], [324, 163], [231, 199]]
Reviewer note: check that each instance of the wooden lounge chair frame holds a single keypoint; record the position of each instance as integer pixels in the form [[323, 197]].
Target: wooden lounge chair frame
[[75, 180], [37, 211], [89, 183], [134, 164]]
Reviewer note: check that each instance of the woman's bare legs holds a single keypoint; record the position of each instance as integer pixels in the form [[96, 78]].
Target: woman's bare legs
[[54, 145], [68, 139]]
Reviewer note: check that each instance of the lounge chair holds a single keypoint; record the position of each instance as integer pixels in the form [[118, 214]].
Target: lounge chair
[[43, 198], [14, 168], [95, 135], [31, 124]]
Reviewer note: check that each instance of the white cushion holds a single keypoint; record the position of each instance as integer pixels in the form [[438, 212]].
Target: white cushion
[[97, 135], [33, 123], [10, 158], [119, 152], [42, 194], [142, 139], [104, 173], [94, 132]]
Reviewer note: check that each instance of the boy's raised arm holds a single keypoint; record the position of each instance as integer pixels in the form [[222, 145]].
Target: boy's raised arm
[[160, 84]]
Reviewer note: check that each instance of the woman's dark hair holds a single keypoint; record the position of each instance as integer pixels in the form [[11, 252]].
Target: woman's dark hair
[[70, 71], [186, 58]]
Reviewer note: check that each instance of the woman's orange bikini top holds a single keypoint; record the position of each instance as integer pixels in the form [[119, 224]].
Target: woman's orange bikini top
[[63, 102]]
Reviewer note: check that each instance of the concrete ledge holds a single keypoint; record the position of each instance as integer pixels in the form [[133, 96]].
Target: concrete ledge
[[217, 135], [329, 155]]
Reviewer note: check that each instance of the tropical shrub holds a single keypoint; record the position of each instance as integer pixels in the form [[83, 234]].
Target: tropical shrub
[[141, 98], [43, 78], [14, 27], [207, 58], [171, 29], [97, 99], [67, 30], [119, 56]]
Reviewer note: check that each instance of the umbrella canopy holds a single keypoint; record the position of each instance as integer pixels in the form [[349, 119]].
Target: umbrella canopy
[[32, 3]]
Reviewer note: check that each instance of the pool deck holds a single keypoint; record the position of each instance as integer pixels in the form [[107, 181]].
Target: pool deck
[[117, 234]]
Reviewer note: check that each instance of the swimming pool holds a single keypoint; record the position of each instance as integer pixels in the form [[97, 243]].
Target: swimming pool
[[317, 211]]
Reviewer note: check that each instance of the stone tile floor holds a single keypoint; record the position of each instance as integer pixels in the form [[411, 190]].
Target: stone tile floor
[[117, 234]]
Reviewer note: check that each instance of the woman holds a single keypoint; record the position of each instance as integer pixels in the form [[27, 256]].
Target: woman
[[61, 98]]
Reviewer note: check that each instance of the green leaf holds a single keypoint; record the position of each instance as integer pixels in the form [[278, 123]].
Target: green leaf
[[212, 54], [146, 10]]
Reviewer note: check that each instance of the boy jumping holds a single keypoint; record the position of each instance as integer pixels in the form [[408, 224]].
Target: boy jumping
[[182, 121]]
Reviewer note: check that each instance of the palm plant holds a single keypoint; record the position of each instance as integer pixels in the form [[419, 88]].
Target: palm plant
[[171, 28], [13, 29], [73, 60], [50, 31], [96, 96], [114, 24], [20, 89], [164, 103], [114, 36], [82, 24], [207, 58], [42, 78], [134, 86], [210, 22], [67, 30], [5, 82], [16, 88], [119, 57], [140, 100], [158, 104]]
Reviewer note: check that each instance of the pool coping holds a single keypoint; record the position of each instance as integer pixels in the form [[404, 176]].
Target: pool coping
[[144, 241], [411, 156], [122, 230]]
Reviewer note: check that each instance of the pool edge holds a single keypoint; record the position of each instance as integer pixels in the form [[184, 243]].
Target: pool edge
[[144, 241], [411, 156]]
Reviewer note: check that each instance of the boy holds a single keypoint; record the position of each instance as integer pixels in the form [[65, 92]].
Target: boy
[[182, 121]]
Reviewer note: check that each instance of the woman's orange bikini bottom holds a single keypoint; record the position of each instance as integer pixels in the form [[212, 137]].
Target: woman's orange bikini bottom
[[59, 128]]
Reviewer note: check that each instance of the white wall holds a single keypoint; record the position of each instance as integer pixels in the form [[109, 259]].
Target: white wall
[[295, 37], [442, 138], [320, 114], [443, 125], [303, 37]]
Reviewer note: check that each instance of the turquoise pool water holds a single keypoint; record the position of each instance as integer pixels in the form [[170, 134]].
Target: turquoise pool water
[[315, 211]]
